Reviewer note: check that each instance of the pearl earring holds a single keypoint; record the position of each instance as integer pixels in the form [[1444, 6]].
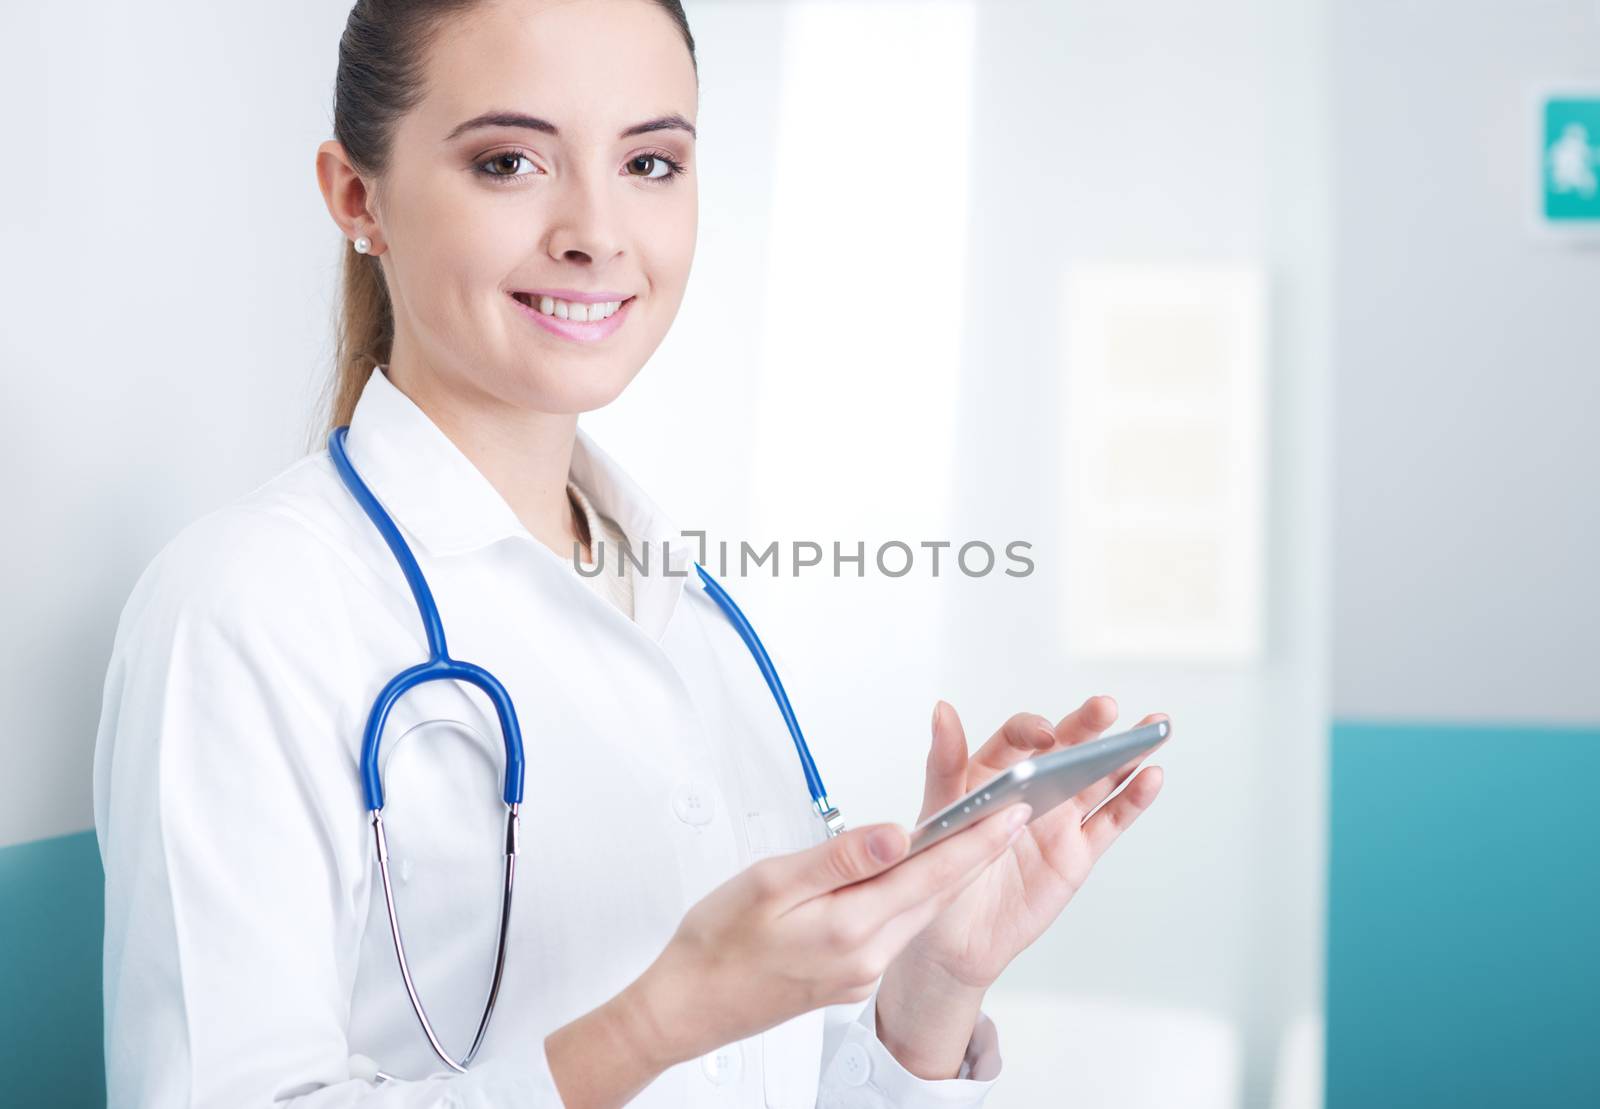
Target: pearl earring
[[363, 244]]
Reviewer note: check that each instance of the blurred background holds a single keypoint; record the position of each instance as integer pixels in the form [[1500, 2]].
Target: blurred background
[[1268, 324]]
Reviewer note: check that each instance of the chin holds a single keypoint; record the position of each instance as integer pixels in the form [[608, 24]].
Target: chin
[[574, 389]]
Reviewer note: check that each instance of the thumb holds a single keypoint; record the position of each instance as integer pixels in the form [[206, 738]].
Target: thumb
[[947, 762], [851, 856]]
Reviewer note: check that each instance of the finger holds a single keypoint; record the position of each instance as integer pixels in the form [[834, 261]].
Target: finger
[[938, 869], [849, 857], [1024, 735], [1096, 792], [1087, 721], [1102, 829], [946, 779], [898, 932]]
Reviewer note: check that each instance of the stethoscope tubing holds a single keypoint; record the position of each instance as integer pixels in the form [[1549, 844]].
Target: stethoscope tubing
[[441, 667]]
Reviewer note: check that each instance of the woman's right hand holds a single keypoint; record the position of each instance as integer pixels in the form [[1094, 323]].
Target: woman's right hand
[[795, 932]]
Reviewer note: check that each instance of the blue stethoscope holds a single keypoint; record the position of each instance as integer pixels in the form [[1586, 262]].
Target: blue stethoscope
[[441, 667]]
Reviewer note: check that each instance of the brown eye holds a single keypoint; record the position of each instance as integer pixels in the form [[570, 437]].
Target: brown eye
[[653, 167], [504, 165]]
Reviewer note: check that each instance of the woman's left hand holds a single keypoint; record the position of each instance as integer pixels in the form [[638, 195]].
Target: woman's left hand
[[929, 996]]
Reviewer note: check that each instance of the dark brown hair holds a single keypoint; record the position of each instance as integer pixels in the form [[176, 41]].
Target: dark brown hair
[[382, 54]]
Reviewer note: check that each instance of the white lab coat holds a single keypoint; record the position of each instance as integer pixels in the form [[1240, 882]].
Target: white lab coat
[[247, 952]]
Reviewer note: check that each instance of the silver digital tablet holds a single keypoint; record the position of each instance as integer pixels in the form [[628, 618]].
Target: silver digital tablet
[[1043, 782]]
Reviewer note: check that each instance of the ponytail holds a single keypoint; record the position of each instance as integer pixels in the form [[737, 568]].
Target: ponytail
[[363, 332]]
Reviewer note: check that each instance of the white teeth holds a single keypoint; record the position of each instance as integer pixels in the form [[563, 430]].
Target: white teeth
[[575, 310]]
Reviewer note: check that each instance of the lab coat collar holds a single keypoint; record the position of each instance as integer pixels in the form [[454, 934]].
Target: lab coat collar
[[449, 507]]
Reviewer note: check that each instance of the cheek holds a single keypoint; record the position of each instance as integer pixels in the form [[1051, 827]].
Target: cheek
[[459, 249], [671, 251]]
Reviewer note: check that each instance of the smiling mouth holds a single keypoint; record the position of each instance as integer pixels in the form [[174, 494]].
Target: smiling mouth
[[573, 310]]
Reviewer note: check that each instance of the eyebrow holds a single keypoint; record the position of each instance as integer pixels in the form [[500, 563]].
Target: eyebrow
[[670, 122]]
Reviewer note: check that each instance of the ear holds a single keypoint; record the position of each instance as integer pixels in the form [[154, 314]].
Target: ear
[[347, 195]]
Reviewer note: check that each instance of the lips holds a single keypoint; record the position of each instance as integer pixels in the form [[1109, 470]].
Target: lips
[[542, 308], [566, 305]]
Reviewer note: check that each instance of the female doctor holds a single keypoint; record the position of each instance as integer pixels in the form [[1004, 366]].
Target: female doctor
[[516, 183]]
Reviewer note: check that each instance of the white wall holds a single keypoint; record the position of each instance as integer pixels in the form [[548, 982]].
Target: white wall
[[166, 276], [1468, 500], [1145, 132]]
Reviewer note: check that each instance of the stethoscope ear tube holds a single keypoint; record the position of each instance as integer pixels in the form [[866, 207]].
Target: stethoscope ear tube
[[381, 847]]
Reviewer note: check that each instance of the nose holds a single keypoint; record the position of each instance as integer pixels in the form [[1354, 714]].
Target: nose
[[584, 226]]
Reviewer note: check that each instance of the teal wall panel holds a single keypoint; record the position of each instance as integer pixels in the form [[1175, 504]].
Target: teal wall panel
[[50, 1009], [1463, 916]]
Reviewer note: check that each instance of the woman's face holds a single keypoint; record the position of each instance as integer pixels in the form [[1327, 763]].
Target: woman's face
[[561, 199]]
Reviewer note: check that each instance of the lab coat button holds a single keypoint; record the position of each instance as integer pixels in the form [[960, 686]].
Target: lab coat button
[[853, 1064], [693, 803], [723, 1065]]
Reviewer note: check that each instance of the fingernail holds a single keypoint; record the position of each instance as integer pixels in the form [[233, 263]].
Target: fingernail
[[1017, 815], [885, 844]]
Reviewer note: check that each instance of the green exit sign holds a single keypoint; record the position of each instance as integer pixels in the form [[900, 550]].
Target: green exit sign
[[1569, 160]]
